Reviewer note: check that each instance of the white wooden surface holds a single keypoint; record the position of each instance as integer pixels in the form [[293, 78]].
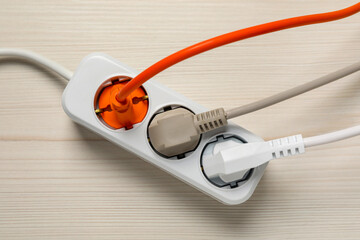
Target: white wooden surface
[[59, 181]]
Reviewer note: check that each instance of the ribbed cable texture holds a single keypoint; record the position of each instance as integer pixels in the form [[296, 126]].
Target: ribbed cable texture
[[287, 146], [210, 120]]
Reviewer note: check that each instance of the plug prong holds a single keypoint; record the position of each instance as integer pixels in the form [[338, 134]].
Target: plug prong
[[136, 100]]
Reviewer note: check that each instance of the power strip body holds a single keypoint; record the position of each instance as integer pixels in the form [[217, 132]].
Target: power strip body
[[78, 103]]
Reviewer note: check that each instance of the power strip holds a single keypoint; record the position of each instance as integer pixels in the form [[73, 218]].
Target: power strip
[[79, 103]]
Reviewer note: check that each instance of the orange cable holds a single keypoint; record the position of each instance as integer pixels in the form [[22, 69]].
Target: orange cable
[[230, 38]]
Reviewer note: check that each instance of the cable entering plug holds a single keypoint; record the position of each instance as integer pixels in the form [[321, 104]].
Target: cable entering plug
[[123, 114]]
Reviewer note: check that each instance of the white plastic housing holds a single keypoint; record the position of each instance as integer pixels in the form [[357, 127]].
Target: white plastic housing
[[78, 103]]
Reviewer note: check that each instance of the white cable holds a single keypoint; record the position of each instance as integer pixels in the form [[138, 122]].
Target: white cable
[[36, 59], [332, 137]]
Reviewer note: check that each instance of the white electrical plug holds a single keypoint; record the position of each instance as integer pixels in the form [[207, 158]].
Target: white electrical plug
[[231, 160]]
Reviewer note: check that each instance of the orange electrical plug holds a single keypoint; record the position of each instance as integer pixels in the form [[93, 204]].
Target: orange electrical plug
[[122, 114]]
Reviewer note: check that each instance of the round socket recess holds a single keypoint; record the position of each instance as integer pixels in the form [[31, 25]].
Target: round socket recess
[[212, 148]]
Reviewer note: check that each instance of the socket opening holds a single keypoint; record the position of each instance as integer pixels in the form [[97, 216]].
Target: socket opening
[[208, 150]]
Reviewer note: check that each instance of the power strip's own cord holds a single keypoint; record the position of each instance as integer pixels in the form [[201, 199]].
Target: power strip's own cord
[[37, 60]]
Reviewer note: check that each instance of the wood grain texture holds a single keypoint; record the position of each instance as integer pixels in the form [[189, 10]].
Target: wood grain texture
[[59, 181]]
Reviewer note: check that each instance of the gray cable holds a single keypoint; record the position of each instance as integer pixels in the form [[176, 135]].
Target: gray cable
[[36, 59], [266, 102]]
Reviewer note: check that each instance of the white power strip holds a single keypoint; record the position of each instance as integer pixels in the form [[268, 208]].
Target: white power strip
[[78, 103]]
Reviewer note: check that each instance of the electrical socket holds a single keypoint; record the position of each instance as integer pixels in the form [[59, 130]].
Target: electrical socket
[[79, 104]]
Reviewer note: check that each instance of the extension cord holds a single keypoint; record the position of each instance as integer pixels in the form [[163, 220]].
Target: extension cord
[[79, 104]]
